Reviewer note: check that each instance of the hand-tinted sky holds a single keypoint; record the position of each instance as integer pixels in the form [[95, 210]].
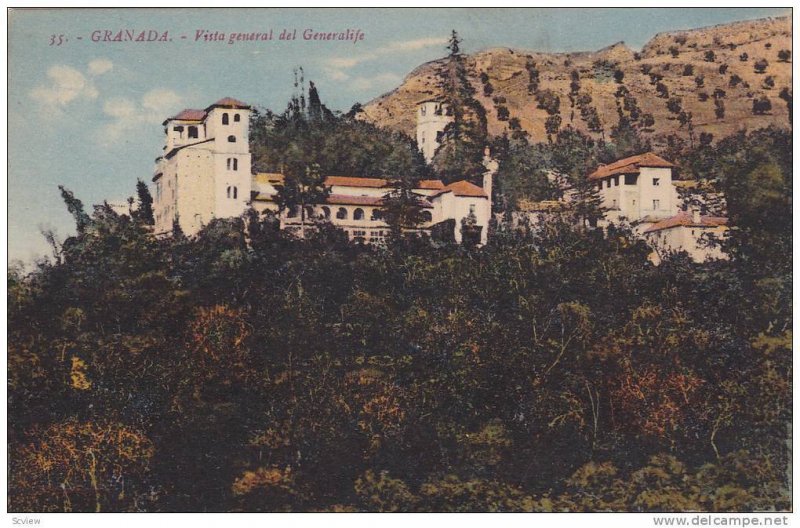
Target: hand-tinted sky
[[88, 114]]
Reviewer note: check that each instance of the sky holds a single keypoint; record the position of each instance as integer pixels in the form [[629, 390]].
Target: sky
[[87, 114]]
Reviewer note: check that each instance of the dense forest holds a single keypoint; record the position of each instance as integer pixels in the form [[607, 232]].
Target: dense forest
[[554, 369]]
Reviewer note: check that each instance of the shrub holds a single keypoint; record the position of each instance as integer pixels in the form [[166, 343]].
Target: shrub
[[723, 68], [709, 56], [784, 55], [688, 70], [502, 113], [760, 66], [743, 57], [761, 105]]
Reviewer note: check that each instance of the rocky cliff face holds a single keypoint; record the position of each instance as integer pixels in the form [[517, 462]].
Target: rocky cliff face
[[675, 72]]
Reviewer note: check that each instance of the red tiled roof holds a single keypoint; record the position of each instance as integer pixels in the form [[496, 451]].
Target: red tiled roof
[[350, 181], [685, 219], [431, 184], [463, 188], [229, 102], [630, 165], [189, 114], [353, 181]]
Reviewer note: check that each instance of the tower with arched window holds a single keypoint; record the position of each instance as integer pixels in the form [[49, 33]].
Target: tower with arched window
[[204, 171], [432, 118]]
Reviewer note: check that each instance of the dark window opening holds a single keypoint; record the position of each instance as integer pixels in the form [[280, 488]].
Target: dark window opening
[[231, 139], [193, 132], [225, 118], [236, 118]]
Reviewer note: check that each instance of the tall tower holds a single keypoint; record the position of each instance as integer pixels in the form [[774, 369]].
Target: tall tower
[[204, 172], [432, 118], [228, 122]]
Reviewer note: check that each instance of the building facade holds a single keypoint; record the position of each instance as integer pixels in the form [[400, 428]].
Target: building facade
[[205, 172], [640, 190]]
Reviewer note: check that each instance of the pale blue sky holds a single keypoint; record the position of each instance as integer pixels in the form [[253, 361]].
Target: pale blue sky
[[88, 115]]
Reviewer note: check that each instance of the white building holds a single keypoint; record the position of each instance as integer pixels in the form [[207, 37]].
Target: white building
[[691, 232], [639, 190], [205, 173], [432, 118]]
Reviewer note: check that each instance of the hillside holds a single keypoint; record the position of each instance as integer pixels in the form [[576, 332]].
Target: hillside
[[691, 65]]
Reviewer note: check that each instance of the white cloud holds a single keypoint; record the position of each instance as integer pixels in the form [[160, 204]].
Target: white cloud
[[411, 45], [381, 80], [120, 108], [336, 66], [100, 66], [66, 85], [129, 115]]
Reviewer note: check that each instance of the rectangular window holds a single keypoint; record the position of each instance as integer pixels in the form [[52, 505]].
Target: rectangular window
[[656, 204], [630, 179], [616, 181], [655, 182]]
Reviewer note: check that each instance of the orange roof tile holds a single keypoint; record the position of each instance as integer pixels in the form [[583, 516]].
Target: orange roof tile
[[229, 102], [350, 181], [685, 219], [630, 165], [431, 184], [463, 188], [188, 114]]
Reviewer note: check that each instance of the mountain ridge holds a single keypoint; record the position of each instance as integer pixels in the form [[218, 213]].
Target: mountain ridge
[[678, 60]]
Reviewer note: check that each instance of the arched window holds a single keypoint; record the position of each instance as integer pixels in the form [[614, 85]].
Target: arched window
[[236, 118], [225, 118], [426, 216], [229, 191], [235, 192], [377, 214], [231, 139], [341, 214], [358, 214], [326, 212], [229, 163], [192, 132]]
